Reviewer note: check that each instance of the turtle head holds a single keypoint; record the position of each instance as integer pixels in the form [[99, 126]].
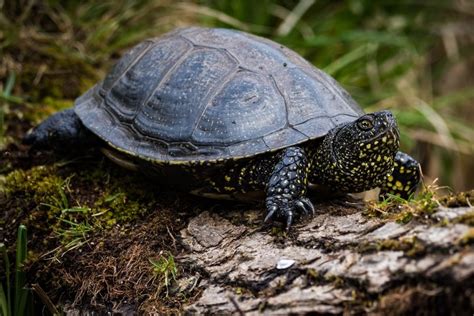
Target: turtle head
[[62, 131], [360, 153]]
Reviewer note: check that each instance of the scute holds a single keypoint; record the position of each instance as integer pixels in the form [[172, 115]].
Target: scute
[[230, 117], [121, 66], [173, 109], [139, 81], [200, 94], [315, 104]]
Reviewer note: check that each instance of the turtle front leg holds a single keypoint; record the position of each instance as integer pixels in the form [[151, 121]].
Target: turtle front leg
[[62, 131], [287, 187], [405, 177]]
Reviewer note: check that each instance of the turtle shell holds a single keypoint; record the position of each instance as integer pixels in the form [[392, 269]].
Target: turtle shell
[[200, 94]]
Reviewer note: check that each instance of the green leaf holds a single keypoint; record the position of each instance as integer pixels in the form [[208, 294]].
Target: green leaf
[[20, 277], [3, 303], [6, 261]]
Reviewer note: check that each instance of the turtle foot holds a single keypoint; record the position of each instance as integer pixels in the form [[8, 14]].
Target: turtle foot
[[284, 208]]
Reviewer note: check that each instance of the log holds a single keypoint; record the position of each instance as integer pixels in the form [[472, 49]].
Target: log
[[338, 262]]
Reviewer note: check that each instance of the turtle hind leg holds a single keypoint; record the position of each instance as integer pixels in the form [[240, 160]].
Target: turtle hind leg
[[62, 131], [404, 179]]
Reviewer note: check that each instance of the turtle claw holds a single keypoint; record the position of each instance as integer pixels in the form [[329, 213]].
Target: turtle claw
[[289, 220], [306, 206], [284, 209], [271, 212]]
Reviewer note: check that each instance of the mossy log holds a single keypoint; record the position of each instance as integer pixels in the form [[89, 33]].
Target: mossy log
[[340, 261]]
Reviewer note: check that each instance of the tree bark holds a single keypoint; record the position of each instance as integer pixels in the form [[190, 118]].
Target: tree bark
[[338, 262]]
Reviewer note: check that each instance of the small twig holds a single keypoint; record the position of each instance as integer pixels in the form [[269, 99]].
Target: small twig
[[172, 237], [236, 305], [45, 298]]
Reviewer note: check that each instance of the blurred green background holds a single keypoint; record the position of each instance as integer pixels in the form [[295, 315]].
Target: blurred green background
[[413, 57]]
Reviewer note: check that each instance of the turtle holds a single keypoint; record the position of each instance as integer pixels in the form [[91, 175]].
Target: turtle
[[225, 114]]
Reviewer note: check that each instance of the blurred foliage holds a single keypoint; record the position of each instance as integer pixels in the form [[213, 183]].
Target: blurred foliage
[[409, 56]]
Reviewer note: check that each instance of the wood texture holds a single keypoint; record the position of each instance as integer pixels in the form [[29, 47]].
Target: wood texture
[[344, 262]]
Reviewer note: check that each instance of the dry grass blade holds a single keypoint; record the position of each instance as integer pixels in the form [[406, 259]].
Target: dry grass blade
[[436, 139], [295, 15], [438, 123], [45, 298], [216, 14]]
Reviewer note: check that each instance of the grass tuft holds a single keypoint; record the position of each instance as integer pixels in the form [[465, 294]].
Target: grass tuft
[[403, 211], [165, 269]]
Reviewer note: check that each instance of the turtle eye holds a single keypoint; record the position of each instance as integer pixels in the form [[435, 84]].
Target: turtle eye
[[365, 124]]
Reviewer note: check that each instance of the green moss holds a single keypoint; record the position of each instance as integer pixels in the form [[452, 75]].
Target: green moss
[[426, 201], [404, 217], [77, 206], [313, 274], [403, 211], [390, 244], [116, 207], [410, 246], [467, 219], [41, 184], [119, 197], [334, 279], [460, 199], [467, 238]]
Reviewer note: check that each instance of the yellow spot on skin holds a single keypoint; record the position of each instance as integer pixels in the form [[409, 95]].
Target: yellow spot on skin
[[398, 184], [368, 146], [229, 188], [227, 178], [379, 158], [384, 139]]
